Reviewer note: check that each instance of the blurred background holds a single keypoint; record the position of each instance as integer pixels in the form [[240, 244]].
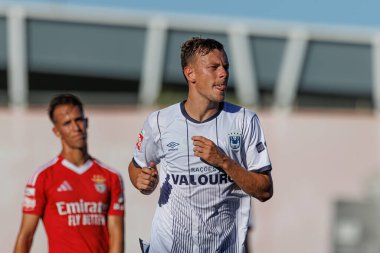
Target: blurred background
[[310, 69]]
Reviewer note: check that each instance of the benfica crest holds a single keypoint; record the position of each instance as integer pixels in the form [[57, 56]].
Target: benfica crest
[[100, 183], [234, 140]]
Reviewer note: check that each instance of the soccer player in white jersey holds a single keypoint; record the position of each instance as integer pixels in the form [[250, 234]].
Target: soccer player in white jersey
[[213, 158], [79, 199]]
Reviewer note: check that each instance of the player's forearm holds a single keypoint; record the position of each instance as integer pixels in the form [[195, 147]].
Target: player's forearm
[[257, 185], [23, 244], [133, 173], [25, 236], [116, 244], [116, 233]]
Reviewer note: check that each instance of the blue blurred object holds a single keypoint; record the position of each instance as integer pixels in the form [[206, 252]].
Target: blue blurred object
[[144, 246]]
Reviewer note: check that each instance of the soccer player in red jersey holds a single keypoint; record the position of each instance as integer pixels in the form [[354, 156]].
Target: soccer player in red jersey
[[79, 199]]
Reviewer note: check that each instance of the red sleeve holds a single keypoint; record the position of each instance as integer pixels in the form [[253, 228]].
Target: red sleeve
[[117, 196], [34, 197]]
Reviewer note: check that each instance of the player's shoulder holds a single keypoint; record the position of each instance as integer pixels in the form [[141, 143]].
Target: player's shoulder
[[238, 110], [43, 170]]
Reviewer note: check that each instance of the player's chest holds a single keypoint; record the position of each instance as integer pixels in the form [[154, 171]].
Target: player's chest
[[176, 140], [71, 187]]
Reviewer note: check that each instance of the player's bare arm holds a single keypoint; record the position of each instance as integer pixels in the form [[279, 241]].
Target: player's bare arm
[[144, 179], [26, 233], [258, 185], [116, 233]]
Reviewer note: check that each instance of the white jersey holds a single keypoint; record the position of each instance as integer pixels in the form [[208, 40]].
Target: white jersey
[[200, 208]]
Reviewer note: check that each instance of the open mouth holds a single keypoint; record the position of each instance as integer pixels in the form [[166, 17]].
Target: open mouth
[[80, 137], [221, 88]]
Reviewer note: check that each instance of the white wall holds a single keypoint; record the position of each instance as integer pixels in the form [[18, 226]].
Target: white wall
[[317, 157]]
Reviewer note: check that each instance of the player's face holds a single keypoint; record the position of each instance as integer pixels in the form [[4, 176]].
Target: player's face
[[210, 74], [70, 126]]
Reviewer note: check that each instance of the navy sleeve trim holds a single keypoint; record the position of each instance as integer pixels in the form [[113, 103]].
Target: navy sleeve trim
[[135, 163], [264, 169]]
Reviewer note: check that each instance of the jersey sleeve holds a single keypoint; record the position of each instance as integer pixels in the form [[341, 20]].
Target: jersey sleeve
[[147, 148], [257, 156], [34, 196], [117, 196]]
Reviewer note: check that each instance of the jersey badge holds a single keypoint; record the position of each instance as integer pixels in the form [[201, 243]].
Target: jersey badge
[[100, 183], [234, 139], [260, 147], [140, 139], [30, 191], [29, 203]]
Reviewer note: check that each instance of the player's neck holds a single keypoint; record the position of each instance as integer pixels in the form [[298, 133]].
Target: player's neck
[[200, 110], [77, 156]]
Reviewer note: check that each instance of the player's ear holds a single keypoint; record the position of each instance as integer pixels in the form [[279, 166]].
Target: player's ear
[[85, 123], [188, 71], [56, 132]]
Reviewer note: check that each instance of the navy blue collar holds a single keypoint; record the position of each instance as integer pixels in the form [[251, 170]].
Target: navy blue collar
[[187, 116]]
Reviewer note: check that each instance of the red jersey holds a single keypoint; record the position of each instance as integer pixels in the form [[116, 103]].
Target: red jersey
[[74, 203]]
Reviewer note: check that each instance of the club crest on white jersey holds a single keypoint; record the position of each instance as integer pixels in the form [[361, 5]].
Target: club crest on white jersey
[[234, 140]]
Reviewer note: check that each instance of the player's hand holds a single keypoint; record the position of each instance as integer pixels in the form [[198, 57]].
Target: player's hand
[[208, 151], [147, 179]]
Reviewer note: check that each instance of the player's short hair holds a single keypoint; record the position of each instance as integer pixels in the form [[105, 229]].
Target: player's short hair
[[197, 45], [63, 99]]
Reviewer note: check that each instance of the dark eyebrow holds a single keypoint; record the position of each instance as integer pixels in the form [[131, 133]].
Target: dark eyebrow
[[66, 122]]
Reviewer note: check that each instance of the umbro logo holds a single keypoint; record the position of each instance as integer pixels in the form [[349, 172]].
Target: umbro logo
[[172, 145], [65, 186]]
